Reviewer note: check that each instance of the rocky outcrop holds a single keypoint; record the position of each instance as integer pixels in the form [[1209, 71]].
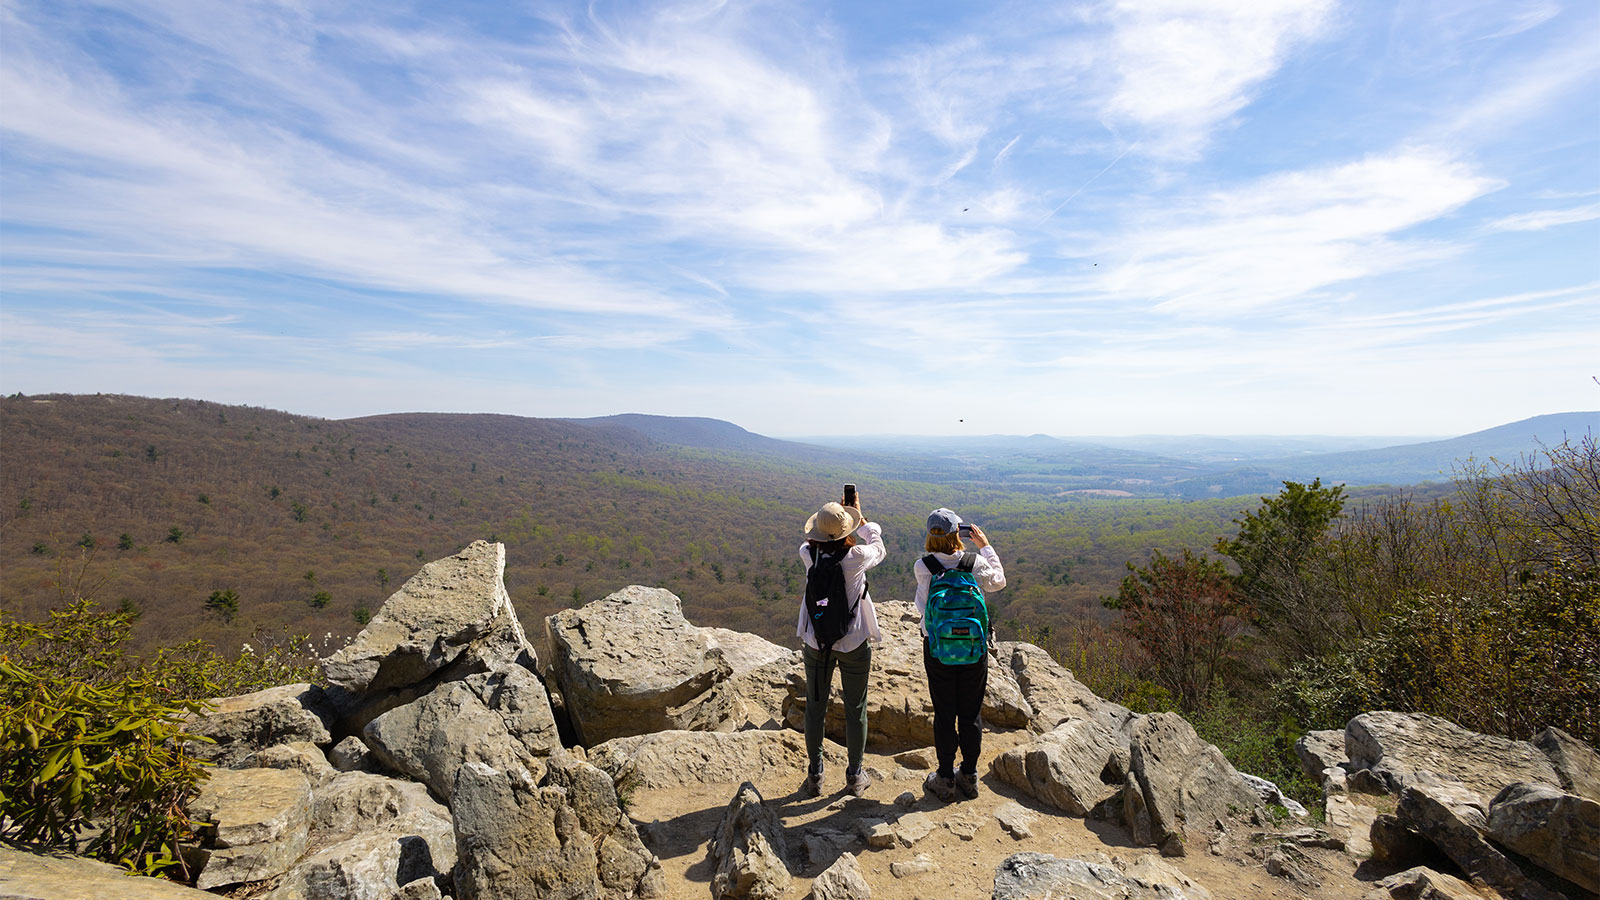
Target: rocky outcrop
[[749, 855], [1557, 831], [257, 824], [1577, 765], [453, 610], [622, 864], [1320, 751], [307, 758], [899, 713], [623, 661], [1397, 748], [1422, 883], [243, 726], [753, 698], [1451, 816], [31, 874], [669, 759], [1072, 768], [517, 839], [1039, 876], [1177, 782]]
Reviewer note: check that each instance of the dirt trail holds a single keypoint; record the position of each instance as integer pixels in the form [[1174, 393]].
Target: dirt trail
[[677, 825]]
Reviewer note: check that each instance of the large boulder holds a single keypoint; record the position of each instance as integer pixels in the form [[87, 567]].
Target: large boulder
[[454, 610], [1400, 749], [672, 759], [1176, 783], [1576, 764], [899, 712], [363, 866], [752, 698], [1071, 768], [517, 839], [244, 725], [33, 874], [623, 661], [1053, 695], [1319, 751], [256, 824], [1451, 815], [749, 854], [1039, 876], [1557, 831], [622, 863], [501, 718], [359, 802], [1422, 883]]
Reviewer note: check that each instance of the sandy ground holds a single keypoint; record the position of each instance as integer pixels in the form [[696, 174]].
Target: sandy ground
[[967, 844]]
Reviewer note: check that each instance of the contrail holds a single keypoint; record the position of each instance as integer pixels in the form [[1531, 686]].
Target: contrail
[[1089, 182]]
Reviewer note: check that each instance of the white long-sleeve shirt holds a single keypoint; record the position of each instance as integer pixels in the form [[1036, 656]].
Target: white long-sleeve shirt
[[868, 552], [986, 568]]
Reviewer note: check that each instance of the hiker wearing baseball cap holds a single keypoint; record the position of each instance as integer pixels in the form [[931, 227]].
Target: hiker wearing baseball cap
[[956, 633], [838, 625]]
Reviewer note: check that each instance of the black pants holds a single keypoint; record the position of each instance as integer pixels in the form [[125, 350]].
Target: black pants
[[957, 694]]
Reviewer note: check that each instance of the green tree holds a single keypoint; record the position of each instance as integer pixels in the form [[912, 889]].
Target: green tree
[[125, 541], [174, 535], [87, 541], [1282, 551], [225, 603]]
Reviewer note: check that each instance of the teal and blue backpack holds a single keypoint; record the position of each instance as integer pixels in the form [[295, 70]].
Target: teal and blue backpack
[[956, 616]]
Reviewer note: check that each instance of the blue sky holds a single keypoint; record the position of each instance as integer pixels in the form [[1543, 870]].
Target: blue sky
[[1174, 216]]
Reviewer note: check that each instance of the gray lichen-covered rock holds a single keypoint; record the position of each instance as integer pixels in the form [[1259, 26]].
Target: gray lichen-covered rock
[[501, 718], [623, 864], [30, 874], [258, 824], [843, 880], [1397, 748], [1451, 815], [1576, 764], [753, 698], [1066, 767], [453, 608], [1421, 883], [899, 713], [370, 866], [749, 854], [244, 725], [360, 802], [350, 755], [1320, 751], [669, 759], [1039, 876], [1053, 695], [301, 755], [1555, 830], [1177, 782], [516, 839], [623, 661]]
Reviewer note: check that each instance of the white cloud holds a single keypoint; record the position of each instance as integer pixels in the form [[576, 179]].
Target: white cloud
[[1546, 218]]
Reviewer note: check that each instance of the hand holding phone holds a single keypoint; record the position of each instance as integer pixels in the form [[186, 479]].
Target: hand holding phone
[[850, 498]]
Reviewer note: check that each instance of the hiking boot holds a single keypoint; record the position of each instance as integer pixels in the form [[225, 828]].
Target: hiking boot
[[967, 785], [812, 786], [941, 786], [857, 783]]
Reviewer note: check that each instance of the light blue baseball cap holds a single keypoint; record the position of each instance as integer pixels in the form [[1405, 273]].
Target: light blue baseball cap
[[943, 521]]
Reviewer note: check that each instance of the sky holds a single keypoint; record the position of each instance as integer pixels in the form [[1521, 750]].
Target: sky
[[1169, 216]]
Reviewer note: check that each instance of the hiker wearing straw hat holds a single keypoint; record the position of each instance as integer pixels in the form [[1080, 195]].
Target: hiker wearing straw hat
[[837, 626]]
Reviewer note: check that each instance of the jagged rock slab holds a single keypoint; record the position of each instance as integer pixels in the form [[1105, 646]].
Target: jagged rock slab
[[744, 651], [1421, 883], [1053, 695], [1398, 747], [358, 802], [1555, 830], [1177, 782], [1351, 823], [669, 759], [244, 725], [623, 661], [1451, 815], [1064, 767], [369, 866], [1271, 795], [843, 880], [350, 755], [302, 756], [516, 839], [622, 863], [27, 874], [259, 823], [1319, 751], [454, 607], [1576, 763], [501, 718], [1016, 819], [752, 698], [749, 853], [899, 713], [1039, 876]]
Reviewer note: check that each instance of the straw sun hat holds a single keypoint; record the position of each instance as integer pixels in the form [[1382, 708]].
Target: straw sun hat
[[832, 522]]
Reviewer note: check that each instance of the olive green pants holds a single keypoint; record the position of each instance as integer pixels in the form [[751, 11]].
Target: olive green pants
[[854, 667]]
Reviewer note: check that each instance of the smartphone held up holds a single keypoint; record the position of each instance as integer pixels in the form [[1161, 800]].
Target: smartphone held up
[[850, 495]]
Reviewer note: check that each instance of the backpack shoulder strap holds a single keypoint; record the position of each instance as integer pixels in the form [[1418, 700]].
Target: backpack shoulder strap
[[933, 564], [968, 559], [812, 550]]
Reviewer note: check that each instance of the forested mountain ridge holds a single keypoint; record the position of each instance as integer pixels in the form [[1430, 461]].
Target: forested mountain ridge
[[312, 522]]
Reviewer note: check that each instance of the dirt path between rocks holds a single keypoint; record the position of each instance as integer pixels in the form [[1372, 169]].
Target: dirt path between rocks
[[966, 842]]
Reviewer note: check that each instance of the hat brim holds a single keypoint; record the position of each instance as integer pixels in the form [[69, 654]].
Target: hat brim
[[812, 534]]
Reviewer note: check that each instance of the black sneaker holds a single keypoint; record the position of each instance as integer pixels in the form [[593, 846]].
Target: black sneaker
[[941, 786], [967, 785]]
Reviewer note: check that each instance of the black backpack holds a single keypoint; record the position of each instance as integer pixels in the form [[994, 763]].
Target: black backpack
[[827, 601]]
